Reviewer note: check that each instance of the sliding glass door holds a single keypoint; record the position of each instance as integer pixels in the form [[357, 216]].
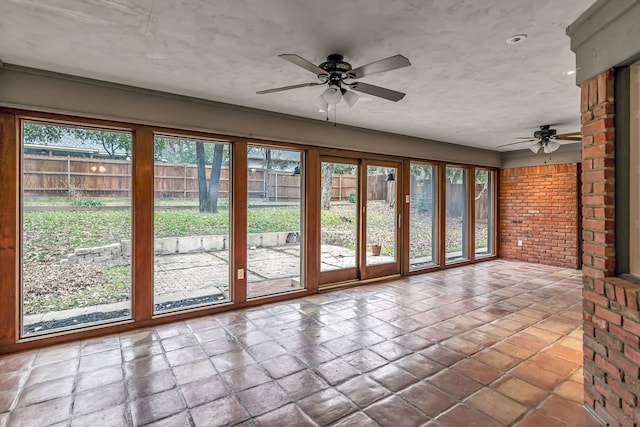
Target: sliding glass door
[[359, 220]]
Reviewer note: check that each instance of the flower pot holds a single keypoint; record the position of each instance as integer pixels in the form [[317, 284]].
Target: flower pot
[[375, 250]]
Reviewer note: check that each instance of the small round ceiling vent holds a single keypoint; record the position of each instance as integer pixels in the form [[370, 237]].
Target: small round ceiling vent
[[518, 38]]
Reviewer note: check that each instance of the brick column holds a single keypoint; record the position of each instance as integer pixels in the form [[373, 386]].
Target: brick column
[[611, 316]]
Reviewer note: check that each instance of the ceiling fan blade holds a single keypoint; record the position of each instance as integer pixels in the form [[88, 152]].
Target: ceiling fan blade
[[568, 138], [514, 143], [280, 89], [378, 91], [301, 62], [388, 64], [569, 134]]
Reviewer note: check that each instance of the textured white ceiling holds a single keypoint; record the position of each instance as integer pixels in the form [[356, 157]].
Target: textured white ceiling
[[466, 85]]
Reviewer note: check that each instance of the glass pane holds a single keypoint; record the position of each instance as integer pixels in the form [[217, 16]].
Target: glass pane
[[274, 221], [422, 216], [191, 223], [381, 214], [456, 206], [76, 227], [484, 214], [338, 219]]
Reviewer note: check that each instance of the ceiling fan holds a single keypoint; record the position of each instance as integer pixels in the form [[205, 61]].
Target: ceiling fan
[[546, 138], [339, 76]]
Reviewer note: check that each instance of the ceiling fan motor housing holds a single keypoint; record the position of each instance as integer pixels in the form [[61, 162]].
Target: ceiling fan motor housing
[[545, 133], [336, 67]]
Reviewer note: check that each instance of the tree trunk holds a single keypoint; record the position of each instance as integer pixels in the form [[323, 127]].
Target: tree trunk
[[267, 169], [202, 176], [214, 181], [327, 185]]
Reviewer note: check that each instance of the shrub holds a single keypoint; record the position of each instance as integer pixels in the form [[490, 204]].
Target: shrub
[[88, 202], [352, 196]]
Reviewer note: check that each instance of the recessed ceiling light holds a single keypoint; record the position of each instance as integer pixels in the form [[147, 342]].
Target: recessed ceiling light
[[156, 55], [569, 73], [518, 38]]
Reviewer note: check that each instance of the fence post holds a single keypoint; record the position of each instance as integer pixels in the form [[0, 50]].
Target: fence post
[[276, 187], [185, 181], [340, 187], [69, 174]]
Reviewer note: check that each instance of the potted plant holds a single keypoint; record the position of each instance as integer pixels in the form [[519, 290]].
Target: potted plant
[[375, 249]]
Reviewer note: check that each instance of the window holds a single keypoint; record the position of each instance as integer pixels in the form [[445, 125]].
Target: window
[[76, 226], [422, 217], [484, 212], [456, 211], [191, 223], [274, 221], [634, 175]]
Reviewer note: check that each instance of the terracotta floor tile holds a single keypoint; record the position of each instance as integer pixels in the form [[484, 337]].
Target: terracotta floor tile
[[146, 365], [395, 412], [266, 350], [390, 350], [477, 370], [247, 377], [57, 354], [455, 384], [565, 353], [98, 345], [428, 398], [232, 360], [141, 350], [302, 384], [520, 390], [513, 350], [366, 338], [99, 378], [362, 390], [568, 412], [497, 406], [222, 412], [364, 360], [462, 346], [528, 341], [179, 341], [185, 355], [178, 420], [204, 391], [138, 387], [393, 377], [114, 416], [537, 376], [45, 391], [137, 337], [571, 390], [314, 355], [336, 371], [356, 420], [97, 399], [341, 346], [442, 355], [327, 406], [53, 411], [100, 360], [463, 416], [193, 372], [53, 371], [553, 364], [221, 346], [7, 399], [155, 407], [418, 365], [289, 415], [13, 379], [263, 398], [536, 419], [282, 366], [496, 359]]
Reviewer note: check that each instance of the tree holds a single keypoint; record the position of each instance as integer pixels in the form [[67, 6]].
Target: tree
[[114, 143], [327, 185], [208, 198]]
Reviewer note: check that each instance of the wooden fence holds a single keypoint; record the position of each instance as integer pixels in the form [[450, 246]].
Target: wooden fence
[[58, 176]]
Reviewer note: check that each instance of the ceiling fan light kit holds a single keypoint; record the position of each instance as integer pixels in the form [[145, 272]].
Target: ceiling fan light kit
[[340, 76], [547, 139]]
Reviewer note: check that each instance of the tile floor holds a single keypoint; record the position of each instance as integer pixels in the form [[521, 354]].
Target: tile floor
[[493, 344]]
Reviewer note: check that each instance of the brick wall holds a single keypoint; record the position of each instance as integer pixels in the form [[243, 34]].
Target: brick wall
[[539, 206], [611, 315]]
